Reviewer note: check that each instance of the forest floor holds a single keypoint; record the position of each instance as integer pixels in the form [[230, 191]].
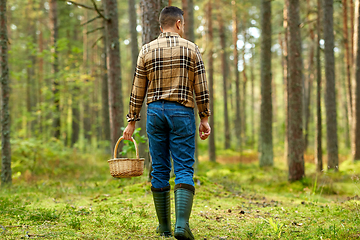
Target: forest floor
[[234, 200]]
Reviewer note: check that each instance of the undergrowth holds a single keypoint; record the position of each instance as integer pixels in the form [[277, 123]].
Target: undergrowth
[[60, 193]]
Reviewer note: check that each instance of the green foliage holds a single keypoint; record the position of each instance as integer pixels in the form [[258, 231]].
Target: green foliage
[[239, 201], [129, 146]]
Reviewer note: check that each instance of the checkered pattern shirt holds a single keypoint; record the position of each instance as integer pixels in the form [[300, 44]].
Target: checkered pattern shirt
[[169, 68]]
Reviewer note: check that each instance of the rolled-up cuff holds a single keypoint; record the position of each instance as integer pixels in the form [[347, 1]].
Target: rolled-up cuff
[[205, 113], [133, 117]]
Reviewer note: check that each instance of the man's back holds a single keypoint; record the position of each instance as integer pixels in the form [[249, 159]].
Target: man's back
[[170, 68]]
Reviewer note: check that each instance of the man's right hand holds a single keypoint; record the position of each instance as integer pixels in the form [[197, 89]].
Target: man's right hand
[[204, 128]]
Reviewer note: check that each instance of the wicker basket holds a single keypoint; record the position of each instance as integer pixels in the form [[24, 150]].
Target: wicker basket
[[126, 167]]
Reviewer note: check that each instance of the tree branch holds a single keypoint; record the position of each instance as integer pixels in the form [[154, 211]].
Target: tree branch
[[97, 41], [94, 30], [82, 5], [89, 21], [98, 10]]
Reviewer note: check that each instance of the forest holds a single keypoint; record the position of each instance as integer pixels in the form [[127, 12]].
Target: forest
[[284, 81]]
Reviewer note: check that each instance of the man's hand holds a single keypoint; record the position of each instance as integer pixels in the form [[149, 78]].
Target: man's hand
[[204, 128], [129, 130]]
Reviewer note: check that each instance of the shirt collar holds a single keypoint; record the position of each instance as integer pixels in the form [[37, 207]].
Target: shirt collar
[[168, 34]]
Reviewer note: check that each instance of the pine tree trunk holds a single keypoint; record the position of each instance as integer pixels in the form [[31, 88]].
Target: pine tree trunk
[[347, 62], [318, 139], [352, 25], [244, 83], [150, 11], [286, 77], [210, 38], [296, 141], [75, 120], [308, 87], [105, 96], [40, 79], [133, 34], [252, 97], [356, 100], [114, 70], [224, 76], [330, 98], [6, 178], [266, 141], [188, 8], [237, 123], [55, 68]]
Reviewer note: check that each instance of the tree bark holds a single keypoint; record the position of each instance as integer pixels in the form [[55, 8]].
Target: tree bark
[[318, 140], [114, 70], [150, 11], [266, 140], [237, 124], [244, 83], [55, 68], [133, 34], [224, 76], [210, 38], [352, 25], [330, 97], [308, 88], [296, 141], [286, 77], [347, 62], [188, 8], [356, 100], [6, 178]]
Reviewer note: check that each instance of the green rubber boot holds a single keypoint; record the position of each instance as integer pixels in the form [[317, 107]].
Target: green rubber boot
[[162, 206], [184, 195]]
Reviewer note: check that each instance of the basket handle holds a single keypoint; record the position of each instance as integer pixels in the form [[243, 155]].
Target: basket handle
[[118, 142]]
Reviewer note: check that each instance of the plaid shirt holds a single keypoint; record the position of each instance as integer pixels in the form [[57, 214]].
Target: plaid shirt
[[169, 68]]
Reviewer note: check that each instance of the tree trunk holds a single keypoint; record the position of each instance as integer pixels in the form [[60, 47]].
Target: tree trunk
[[188, 8], [105, 95], [55, 69], [150, 11], [286, 77], [114, 70], [252, 97], [6, 178], [347, 62], [40, 79], [266, 141], [210, 38], [308, 87], [318, 140], [330, 101], [356, 100], [352, 25], [133, 34], [224, 76], [244, 82], [296, 141], [237, 76]]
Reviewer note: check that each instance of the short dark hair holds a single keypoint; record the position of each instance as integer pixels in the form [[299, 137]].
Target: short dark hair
[[169, 16]]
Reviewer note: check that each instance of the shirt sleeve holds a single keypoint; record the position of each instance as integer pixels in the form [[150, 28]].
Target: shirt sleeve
[[138, 91], [201, 88]]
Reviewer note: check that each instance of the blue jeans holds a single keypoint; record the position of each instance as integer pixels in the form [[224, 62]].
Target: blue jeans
[[170, 127]]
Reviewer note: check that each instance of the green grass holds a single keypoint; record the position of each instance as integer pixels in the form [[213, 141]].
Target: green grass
[[237, 201]]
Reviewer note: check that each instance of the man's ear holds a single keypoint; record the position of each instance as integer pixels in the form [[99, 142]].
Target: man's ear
[[161, 29], [178, 24]]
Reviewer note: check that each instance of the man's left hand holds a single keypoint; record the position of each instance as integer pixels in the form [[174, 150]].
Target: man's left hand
[[129, 130]]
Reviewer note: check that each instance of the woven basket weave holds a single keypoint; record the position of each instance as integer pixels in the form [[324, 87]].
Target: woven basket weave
[[126, 167]]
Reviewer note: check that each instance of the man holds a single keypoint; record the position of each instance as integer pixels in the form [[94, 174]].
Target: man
[[169, 69]]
